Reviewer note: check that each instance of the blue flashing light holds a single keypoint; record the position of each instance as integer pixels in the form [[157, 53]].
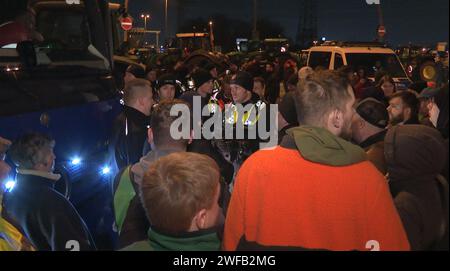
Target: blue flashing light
[[9, 185], [76, 161], [106, 170]]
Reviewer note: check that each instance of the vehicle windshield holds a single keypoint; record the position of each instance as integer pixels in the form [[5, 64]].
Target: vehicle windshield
[[66, 36], [276, 45], [374, 63], [193, 43], [61, 37], [55, 66]]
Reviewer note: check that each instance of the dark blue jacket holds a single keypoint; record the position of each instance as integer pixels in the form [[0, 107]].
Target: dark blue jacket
[[45, 216]]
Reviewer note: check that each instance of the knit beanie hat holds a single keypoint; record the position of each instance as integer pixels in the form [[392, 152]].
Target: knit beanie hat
[[200, 77], [137, 71], [374, 112], [243, 79], [166, 79]]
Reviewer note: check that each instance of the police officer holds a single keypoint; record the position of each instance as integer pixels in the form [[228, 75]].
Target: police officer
[[202, 87], [245, 111], [166, 87]]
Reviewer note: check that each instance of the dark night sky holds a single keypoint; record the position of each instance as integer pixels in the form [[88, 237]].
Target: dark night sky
[[417, 21]]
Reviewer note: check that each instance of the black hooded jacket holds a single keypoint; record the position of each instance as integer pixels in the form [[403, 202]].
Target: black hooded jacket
[[415, 155]]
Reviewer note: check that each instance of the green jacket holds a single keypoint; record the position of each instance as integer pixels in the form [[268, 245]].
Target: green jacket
[[205, 240]]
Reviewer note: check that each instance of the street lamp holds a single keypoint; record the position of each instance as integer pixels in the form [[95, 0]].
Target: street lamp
[[145, 17], [211, 35], [166, 11]]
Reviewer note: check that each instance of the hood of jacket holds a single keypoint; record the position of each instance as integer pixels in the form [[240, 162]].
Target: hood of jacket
[[319, 145]]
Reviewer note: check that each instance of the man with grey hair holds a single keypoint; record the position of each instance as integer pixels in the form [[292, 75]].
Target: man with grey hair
[[45, 216]]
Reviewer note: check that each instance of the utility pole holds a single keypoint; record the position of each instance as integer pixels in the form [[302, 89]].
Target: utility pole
[[307, 23], [211, 35], [125, 34], [166, 15], [380, 15], [381, 27], [255, 34]]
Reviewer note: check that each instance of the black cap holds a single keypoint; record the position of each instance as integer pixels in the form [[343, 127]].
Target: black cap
[[209, 66], [137, 71], [200, 77], [166, 79], [287, 108], [243, 79], [374, 112]]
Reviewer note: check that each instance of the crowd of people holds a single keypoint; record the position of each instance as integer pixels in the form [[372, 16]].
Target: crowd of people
[[357, 163]]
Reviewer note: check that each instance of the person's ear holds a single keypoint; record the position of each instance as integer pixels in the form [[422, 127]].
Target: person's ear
[[140, 101], [150, 136], [337, 119], [407, 112], [361, 124], [200, 219], [335, 122], [430, 104]]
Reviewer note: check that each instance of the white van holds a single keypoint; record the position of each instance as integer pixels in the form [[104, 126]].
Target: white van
[[373, 57]]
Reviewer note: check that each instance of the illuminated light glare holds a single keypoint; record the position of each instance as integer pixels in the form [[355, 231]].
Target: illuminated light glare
[[76, 161], [10, 46], [9, 185], [12, 69], [106, 170]]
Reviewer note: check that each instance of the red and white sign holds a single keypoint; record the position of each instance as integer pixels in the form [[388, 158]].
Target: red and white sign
[[381, 31], [126, 23]]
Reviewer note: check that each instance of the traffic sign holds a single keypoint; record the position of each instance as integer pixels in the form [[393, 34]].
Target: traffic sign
[[381, 31], [126, 23]]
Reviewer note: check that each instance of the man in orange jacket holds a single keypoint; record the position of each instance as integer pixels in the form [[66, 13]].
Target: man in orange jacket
[[316, 191]]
